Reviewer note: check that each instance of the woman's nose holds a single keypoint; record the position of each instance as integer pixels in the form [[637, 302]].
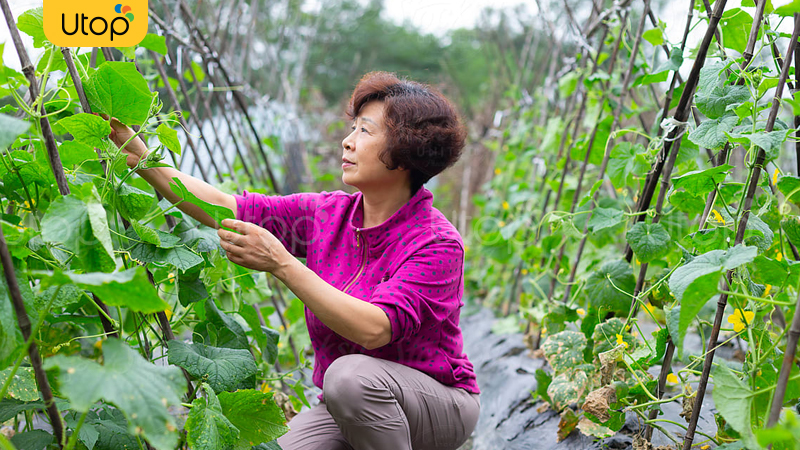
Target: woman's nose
[[347, 142]]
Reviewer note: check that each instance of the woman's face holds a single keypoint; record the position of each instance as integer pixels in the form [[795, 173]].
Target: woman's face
[[361, 167]]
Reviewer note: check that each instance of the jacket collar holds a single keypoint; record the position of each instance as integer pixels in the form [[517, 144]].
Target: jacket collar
[[409, 216]]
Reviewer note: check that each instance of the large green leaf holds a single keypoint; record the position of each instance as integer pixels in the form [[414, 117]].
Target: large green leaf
[[776, 273], [711, 133], [715, 102], [141, 390], [179, 256], [610, 287], [564, 350], [155, 43], [220, 330], [32, 440], [222, 368], [649, 241], [169, 138], [771, 142], [735, 25], [733, 399], [701, 182], [701, 277], [130, 288], [790, 187], [207, 428], [627, 160], [132, 202], [119, 90], [10, 128], [73, 152], [217, 212], [85, 128], [256, 415], [31, 22], [82, 227], [603, 218]]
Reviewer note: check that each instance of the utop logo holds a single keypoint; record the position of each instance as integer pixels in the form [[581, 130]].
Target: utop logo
[[95, 23]]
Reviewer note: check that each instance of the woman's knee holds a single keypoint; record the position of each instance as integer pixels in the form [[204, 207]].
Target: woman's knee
[[347, 383]]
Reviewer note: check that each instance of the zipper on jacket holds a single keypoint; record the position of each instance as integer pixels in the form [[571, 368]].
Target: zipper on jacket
[[363, 260]]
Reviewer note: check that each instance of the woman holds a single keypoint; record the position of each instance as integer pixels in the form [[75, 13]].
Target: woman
[[383, 279]]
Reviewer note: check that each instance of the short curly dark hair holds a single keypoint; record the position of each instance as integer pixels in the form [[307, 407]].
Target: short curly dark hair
[[424, 133]]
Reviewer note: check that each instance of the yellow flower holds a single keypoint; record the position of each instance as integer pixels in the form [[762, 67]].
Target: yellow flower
[[168, 313], [544, 331], [265, 388], [672, 378], [502, 224], [497, 171], [705, 447], [620, 341], [779, 257], [775, 176], [648, 308], [581, 312], [717, 216], [99, 344], [171, 277], [766, 290], [505, 205], [738, 319]]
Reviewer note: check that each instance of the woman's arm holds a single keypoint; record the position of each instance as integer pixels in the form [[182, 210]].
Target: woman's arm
[[352, 318], [254, 247], [161, 177]]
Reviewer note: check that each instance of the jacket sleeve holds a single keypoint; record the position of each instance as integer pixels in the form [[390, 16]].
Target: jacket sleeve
[[425, 290], [289, 217]]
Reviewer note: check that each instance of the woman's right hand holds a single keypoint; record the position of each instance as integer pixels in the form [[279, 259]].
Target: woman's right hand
[[120, 133]]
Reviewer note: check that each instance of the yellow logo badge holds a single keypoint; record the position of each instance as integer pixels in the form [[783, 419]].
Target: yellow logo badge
[[95, 23]]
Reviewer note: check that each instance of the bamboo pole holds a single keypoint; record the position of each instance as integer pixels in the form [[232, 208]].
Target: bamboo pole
[[24, 323], [752, 185]]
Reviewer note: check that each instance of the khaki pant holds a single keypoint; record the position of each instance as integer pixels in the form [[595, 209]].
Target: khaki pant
[[374, 404]]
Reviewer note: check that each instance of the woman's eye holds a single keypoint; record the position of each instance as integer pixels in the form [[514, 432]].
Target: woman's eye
[[364, 130]]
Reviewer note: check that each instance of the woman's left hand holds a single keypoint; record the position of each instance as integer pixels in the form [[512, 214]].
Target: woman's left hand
[[253, 247]]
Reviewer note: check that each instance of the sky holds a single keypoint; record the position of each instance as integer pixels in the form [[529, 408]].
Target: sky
[[432, 16]]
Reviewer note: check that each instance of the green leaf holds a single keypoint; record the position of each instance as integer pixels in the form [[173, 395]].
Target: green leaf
[[711, 133], [31, 22], [191, 288], [195, 70], [217, 212], [73, 152], [155, 43], [222, 368], [132, 202], [603, 218], [732, 399], [654, 36], [790, 187], [788, 9], [567, 84], [627, 160], [701, 277], [648, 241], [776, 273], [85, 128], [758, 233], [735, 25], [112, 428], [169, 138], [32, 440], [178, 256], [207, 428], [141, 390], [610, 287], [130, 288], [673, 63], [605, 335], [791, 227], [714, 104], [23, 386], [10, 128], [701, 182], [119, 90], [256, 415], [564, 350], [82, 227], [771, 142], [228, 332]]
